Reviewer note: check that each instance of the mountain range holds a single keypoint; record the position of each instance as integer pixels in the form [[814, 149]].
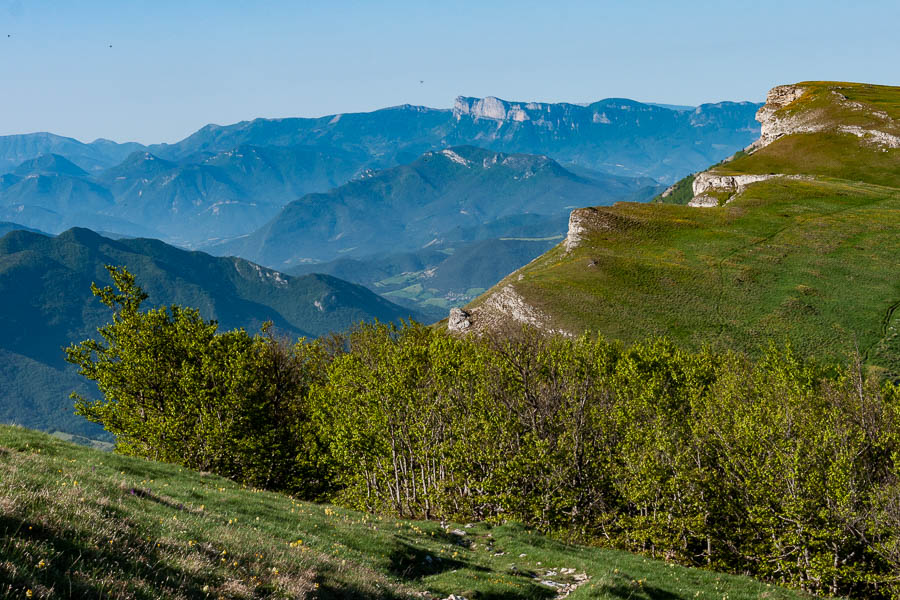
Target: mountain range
[[413, 206], [226, 181], [46, 304], [404, 211], [614, 135]]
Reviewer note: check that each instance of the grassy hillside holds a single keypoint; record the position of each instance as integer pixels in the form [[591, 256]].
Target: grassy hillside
[[813, 261], [79, 523]]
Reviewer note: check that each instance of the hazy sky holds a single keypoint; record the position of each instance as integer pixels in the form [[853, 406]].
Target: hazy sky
[[177, 65]]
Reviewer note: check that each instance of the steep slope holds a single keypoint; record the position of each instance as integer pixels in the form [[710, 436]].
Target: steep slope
[[46, 304], [409, 207], [795, 239]]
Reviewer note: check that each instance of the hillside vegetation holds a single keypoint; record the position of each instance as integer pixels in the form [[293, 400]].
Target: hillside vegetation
[[810, 260], [79, 523], [780, 468]]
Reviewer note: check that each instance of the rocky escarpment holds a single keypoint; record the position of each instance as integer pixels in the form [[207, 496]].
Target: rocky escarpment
[[772, 126], [602, 115], [776, 122], [786, 112], [537, 112], [502, 308], [583, 221], [579, 224], [708, 187], [506, 305]]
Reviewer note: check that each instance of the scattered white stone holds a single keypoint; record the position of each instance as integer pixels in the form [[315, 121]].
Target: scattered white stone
[[459, 320]]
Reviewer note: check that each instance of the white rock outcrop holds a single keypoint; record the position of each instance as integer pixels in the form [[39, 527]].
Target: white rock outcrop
[[704, 201], [584, 220], [812, 121], [733, 184], [872, 136], [509, 303], [502, 308], [578, 226], [773, 127], [668, 191], [458, 321]]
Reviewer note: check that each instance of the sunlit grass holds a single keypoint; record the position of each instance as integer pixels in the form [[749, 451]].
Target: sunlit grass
[[80, 523], [810, 262]]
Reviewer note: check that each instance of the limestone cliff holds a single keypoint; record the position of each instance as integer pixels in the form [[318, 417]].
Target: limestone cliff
[[500, 309], [799, 109]]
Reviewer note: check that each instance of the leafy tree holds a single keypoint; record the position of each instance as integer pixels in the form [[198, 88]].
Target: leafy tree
[[177, 390]]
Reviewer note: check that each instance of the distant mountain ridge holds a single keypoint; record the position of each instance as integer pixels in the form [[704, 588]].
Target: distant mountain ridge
[[46, 304], [393, 135], [412, 206], [224, 181], [662, 142], [92, 157]]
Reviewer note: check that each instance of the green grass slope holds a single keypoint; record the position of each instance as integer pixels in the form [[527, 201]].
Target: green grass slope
[[816, 261], [80, 523]]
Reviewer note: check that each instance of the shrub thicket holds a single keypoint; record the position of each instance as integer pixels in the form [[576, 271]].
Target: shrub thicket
[[775, 467]]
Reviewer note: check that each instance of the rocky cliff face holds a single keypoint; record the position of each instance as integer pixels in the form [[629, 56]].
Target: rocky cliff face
[[777, 120], [611, 111], [585, 220], [501, 309], [707, 186], [786, 112], [772, 126], [502, 110]]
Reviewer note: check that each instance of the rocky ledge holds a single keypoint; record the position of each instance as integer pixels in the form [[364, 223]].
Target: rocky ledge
[[731, 184], [502, 308], [775, 123], [771, 126]]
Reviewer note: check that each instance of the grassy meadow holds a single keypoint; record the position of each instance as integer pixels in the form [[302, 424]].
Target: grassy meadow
[[810, 262]]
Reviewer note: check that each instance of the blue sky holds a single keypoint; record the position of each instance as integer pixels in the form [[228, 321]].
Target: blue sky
[[177, 65]]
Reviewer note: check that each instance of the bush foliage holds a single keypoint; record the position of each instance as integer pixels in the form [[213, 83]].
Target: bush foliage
[[778, 467]]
